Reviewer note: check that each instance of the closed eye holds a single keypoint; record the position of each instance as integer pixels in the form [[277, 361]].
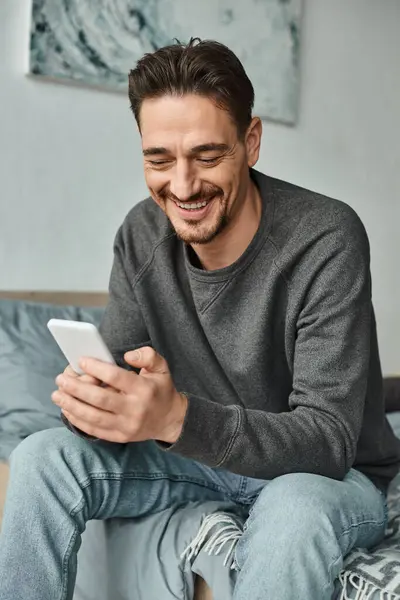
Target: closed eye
[[159, 162], [166, 161], [208, 161]]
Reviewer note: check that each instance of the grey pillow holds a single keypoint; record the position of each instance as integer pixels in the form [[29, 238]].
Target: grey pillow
[[29, 362]]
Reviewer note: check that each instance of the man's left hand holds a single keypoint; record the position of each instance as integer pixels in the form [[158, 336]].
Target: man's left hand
[[131, 407]]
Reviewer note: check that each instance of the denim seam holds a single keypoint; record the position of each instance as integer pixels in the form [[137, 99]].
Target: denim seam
[[242, 487], [154, 477], [330, 569], [66, 559], [79, 506], [344, 533]]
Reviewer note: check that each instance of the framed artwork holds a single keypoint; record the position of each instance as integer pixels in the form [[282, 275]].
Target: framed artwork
[[97, 43]]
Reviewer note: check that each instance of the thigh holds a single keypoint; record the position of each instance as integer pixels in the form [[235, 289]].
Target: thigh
[[353, 510], [153, 479], [116, 480]]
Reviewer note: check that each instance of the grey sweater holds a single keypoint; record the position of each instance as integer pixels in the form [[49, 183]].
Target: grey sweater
[[277, 352]]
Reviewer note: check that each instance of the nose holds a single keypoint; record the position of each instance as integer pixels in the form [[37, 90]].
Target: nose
[[183, 184]]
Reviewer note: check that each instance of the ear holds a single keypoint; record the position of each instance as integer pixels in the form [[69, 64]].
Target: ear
[[253, 141]]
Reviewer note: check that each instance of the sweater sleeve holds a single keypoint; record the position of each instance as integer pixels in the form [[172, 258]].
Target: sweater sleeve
[[122, 326], [319, 433]]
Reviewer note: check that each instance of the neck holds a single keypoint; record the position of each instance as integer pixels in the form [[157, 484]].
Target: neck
[[230, 244]]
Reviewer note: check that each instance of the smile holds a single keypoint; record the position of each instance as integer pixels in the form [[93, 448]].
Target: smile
[[192, 206], [197, 210]]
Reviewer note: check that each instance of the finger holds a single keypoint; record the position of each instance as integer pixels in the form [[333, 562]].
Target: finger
[[70, 372], [106, 399], [147, 358], [84, 412], [86, 378], [109, 435], [112, 375], [61, 380]]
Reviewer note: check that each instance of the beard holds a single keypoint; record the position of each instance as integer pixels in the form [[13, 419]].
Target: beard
[[192, 231]]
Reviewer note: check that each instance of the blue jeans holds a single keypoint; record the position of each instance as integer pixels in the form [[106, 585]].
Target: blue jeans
[[299, 529]]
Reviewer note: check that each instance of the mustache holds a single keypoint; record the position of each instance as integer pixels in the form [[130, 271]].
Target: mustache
[[206, 193]]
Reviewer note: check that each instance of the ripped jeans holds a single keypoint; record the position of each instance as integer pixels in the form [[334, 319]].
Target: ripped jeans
[[299, 528]]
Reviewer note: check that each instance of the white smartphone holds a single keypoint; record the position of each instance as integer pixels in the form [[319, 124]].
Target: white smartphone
[[77, 339]]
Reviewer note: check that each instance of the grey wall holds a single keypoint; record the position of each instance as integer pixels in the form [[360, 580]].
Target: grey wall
[[70, 164]]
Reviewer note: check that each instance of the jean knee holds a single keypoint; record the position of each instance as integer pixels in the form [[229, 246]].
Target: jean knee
[[296, 505], [39, 448], [301, 492]]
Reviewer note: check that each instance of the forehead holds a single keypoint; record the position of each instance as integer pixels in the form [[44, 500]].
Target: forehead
[[187, 120]]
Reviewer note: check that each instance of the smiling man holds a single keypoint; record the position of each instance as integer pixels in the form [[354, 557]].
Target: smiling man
[[241, 320]]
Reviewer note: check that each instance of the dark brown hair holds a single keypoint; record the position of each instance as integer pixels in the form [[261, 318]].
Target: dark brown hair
[[203, 67]]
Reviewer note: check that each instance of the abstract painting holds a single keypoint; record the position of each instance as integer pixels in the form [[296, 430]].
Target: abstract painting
[[96, 43]]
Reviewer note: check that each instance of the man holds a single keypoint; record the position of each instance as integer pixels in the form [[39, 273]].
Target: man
[[257, 377]]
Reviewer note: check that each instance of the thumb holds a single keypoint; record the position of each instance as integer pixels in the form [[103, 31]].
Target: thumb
[[147, 358]]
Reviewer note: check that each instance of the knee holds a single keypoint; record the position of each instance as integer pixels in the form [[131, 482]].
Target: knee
[[297, 494], [296, 505], [40, 449]]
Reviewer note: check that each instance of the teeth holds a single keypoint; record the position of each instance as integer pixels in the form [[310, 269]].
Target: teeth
[[192, 206]]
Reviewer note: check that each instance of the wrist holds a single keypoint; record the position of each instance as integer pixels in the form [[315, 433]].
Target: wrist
[[174, 430]]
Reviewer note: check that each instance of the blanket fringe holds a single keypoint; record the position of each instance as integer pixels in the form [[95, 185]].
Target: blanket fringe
[[365, 590], [230, 530], [229, 533]]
